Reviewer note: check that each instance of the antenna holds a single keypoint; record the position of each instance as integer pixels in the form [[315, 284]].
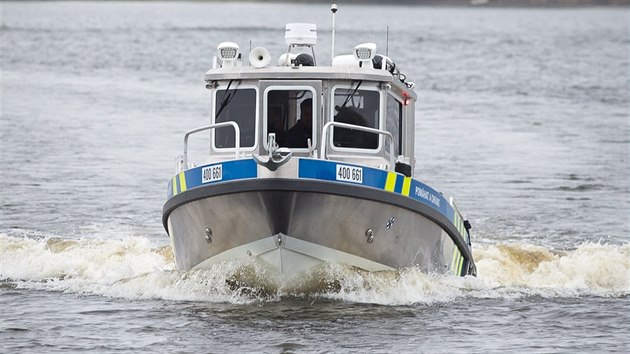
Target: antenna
[[387, 43], [333, 9]]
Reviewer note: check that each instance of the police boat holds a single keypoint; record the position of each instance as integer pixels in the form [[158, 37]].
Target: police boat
[[310, 164]]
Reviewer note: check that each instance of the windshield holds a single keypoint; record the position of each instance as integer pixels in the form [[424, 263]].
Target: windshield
[[393, 123], [290, 117], [238, 105], [358, 107]]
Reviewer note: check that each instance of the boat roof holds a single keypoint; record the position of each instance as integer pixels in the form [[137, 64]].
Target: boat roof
[[306, 73]]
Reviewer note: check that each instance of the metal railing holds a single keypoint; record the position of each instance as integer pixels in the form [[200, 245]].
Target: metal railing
[[237, 138], [183, 161], [327, 126]]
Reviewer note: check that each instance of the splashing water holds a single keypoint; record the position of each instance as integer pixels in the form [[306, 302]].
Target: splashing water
[[591, 268], [133, 268]]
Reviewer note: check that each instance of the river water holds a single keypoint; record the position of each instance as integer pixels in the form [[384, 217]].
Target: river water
[[523, 114]]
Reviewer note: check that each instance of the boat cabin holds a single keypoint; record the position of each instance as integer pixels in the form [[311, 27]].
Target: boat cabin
[[358, 110]]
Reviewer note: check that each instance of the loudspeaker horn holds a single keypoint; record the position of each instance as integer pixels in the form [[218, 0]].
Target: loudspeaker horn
[[259, 57]]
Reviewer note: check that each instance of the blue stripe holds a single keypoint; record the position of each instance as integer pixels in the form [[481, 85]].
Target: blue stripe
[[399, 184], [326, 170], [429, 196], [316, 169], [232, 170]]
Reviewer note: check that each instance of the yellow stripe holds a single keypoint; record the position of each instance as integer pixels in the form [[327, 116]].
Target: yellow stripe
[[455, 252], [390, 183], [174, 182], [406, 186], [182, 181], [459, 224], [456, 219], [459, 268], [459, 256]]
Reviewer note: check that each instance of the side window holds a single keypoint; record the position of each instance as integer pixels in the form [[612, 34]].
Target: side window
[[357, 107], [290, 117], [238, 105], [393, 123]]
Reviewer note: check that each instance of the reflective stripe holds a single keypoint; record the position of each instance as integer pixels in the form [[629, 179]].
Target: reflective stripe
[[459, 225], [455, 254], [182, 181], [461, 263], [390, 182], [174, 183], [456, 221], [406, 186]]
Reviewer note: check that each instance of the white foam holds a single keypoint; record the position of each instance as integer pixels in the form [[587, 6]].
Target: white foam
[[134, 268], [98, 261], [590, 269], [404, 287]]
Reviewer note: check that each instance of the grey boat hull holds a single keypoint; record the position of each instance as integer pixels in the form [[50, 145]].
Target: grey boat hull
[[295, 224]]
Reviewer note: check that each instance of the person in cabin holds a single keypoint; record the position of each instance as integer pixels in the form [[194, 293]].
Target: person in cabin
[[353, 138], [302, 130]]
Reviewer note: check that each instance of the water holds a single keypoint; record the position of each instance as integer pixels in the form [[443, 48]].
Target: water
[[523, 115]]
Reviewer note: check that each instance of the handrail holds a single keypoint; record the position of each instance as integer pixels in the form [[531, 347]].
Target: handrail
[[237, 138], [328, 125]]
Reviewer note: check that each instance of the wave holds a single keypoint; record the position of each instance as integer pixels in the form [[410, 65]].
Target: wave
[[582, 188], [135, 268]]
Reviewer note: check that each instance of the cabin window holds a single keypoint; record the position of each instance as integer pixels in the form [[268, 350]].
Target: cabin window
[[393, 123], [290, 114], [237, 105], [359, 107]]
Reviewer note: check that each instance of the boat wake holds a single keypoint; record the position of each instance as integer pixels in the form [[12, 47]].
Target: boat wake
[[135, 268]]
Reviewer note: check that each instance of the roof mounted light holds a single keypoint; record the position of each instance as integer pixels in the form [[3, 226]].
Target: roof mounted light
[[228, 54], [364, 52]]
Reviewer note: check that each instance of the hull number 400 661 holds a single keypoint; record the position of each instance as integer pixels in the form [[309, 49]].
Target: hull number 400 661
[[212, 173], [349, 174]]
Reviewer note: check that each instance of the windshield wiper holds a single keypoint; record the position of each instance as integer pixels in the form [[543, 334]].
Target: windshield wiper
[[350, 95], [227, 98]]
